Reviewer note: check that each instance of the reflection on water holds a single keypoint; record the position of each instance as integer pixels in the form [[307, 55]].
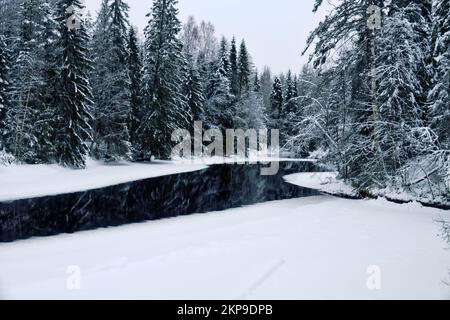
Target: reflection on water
[[219, 187]]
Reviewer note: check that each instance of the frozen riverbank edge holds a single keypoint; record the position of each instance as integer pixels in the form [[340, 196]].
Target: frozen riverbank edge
[[329, 183], [20, 182]]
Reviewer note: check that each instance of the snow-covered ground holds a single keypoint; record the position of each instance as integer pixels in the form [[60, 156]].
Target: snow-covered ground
[[29, 181], [329, 183], [323, 181], [318, 247]]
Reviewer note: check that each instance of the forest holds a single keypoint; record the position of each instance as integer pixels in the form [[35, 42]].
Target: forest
[[373, 103]]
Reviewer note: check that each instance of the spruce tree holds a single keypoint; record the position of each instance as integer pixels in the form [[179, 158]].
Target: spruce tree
[[99, 45], [256, 83], [244, 69], [296, 86], [50, 71], [165, 107], [10, 21], [194, 94], [220, 109], [418, 15], [112, 108], [89, 25], [290, 109], [277, 100], [291, 87], [3, 88], [73, 132], [135, 74], [27, 84], [234, 68], [223, 54], [266, 89]]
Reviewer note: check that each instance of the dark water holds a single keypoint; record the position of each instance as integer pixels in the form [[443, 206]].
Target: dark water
[[219, 187]]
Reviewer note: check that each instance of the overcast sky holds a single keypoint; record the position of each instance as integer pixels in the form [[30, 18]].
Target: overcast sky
[[275, 30]]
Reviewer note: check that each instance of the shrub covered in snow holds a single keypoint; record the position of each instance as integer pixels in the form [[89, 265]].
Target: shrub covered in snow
[[426, 179], [5, 158]]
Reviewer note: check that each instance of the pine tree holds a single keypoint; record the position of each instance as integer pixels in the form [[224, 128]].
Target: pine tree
[[112, 108], [223, 54], [10, 21], [234, 68], [3, 88], [291, 87], [99, 44], [194, 94], [219, 105], [165, 105], [277, 101], [418, 15], [266, 89], [250, 112], [89, 25], [7, 29], [73, 132], [244, 69], [289, 118], [135, 74], [50, 71], [256, 83], [118, 138], [27, 84]]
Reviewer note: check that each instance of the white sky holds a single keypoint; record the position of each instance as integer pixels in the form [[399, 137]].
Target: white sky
[[275, 30]]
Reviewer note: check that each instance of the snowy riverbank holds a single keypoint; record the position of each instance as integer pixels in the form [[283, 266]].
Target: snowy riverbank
[[319, 247], [29, 181], [328, 182]]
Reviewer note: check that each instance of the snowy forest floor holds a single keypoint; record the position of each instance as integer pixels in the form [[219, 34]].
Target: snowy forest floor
[[318, 247]]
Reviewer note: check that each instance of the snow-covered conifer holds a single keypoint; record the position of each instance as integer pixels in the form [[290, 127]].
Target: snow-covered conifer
[[74, 97], [165, 106]]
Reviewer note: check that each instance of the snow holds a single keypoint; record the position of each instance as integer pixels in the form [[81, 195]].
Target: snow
[[323, 181], [329, 183], [308, 248], [30, 181]]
